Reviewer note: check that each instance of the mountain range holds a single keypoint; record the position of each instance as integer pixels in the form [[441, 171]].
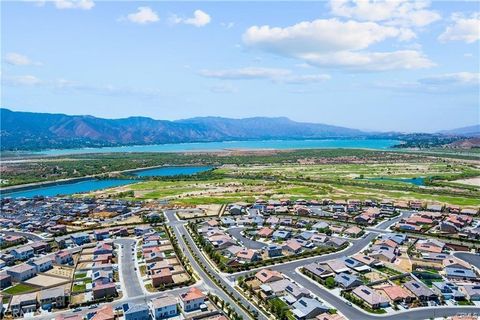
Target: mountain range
[[37, 131], [33, 131]]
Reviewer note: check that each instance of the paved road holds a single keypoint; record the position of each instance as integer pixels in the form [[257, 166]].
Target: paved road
[[179, 229], [351, 312], [131, 283], [249, 243], [471, 258]]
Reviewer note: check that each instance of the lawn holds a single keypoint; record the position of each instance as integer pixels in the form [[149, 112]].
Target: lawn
[[79, 287], [18, 289], [80, 275]]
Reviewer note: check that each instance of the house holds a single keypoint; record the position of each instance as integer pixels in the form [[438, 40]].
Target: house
[[281, 235], [279, 288], [355, 265], [460, 274], [104, 313], [383, 253], [347, 281], [42, 264], [5, 280], [23, 303], [267, 275], [22, 272], [370, 297], [337, 265], [353, 232], [336, 242], [23, 252], [274, 250], [40, 247], [162, 277], [52, 298], [102, 277], [141, 230], [471, 291], [228, 222], [320, 226], [419, 290], [448, 290], [164, 307], [319, 270], [236, 209], [307, 308], [265, 232], [430, 245], [247, 255], [452, 262], [104, 290], [136, 311], [369, 261], [63, 257], [396, 237], [292, 246], [192, 299], [398, 294], [103, 248], [80, 238], [101, 234]]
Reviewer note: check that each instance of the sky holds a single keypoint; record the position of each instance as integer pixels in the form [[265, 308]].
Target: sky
[[373, 65]]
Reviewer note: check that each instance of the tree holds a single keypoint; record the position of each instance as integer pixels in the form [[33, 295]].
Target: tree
[[330, 282]]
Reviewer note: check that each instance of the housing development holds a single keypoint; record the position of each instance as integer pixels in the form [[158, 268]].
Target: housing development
[[240, 160], [103, 258]]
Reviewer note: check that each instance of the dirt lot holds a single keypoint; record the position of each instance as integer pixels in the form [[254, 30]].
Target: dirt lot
[[84, 266], [45, 281], [78, 298], [181, 277], [61, 272]]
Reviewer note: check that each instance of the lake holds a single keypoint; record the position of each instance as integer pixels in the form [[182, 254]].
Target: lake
[[67, 188], [231, 145], [415, 181], [170, 171], [87, 185]]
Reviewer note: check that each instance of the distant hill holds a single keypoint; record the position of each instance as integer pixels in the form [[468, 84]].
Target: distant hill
[[34, 131], [470, 131]]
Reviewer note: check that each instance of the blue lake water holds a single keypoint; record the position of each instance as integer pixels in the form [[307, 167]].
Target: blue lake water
[[67, 188], [226, 145], [415, 181], [170, 171], [93, 184]]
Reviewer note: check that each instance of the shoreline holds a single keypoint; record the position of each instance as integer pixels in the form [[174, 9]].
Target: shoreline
[[36, 185]]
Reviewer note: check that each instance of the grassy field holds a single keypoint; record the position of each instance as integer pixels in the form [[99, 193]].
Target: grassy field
[[18, 289], [245, 176]]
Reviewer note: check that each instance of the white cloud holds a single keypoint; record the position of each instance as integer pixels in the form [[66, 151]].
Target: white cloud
[[370, 61], [24, 80], [441, 83], [273, 74], [143, 15], [74, 4], [18, 59], [466, 29], [333, 43], [245, 73], [199, 19], [458, 78], [227, 25], [397, 12], [68, 86]]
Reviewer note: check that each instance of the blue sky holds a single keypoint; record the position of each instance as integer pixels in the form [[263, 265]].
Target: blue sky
[[404, 66]]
